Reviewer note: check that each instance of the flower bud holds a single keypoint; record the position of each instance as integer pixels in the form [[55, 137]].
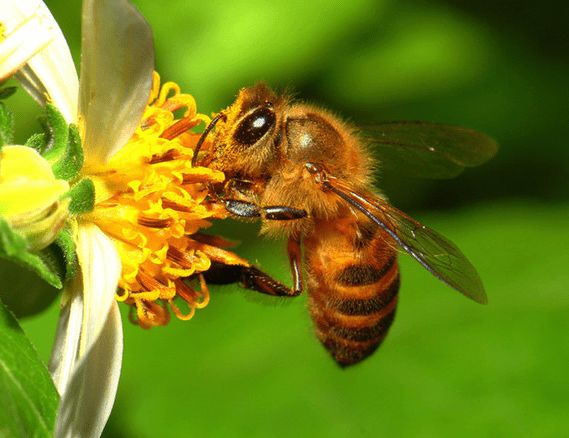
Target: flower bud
[[30, 196]]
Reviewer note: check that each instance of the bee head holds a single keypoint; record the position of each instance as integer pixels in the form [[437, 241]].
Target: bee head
[[246, 139]]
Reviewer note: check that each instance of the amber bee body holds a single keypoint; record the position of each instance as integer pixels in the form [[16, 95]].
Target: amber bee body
[[307, 176], [353, 283]]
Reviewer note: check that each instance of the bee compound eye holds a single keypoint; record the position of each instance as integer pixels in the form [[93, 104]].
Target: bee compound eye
[[254, 126]]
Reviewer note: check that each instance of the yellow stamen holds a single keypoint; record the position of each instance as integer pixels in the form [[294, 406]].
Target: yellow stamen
[[150, 201]]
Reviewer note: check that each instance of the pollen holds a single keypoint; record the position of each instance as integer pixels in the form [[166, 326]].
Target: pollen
[[154, 205]]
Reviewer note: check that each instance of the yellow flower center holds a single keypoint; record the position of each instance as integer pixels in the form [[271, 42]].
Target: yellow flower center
[[153, 203]]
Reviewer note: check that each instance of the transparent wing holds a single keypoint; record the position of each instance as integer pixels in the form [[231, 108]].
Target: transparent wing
[[428, 150], [437, 254]]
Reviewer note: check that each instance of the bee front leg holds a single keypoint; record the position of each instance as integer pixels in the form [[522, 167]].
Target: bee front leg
[[240, 199]]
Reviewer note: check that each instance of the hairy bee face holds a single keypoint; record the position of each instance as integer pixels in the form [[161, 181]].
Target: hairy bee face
[[248, 140]]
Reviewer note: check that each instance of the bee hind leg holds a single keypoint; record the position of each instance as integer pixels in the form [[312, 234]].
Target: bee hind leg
[[295, 258], [261, 282], [250, 277]]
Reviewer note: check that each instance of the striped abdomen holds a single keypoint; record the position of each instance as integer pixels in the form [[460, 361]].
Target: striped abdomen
[[353, 283]]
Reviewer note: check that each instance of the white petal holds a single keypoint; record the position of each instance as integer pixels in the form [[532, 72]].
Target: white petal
[[86, 404], [117, 61], [101, 269], [17, 47], [65, 348], [89, 335], [50, 74]]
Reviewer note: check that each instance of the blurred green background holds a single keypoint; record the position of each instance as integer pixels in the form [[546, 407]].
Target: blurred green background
[[246, 366]]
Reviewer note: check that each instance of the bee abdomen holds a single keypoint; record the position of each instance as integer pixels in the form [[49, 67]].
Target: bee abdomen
[[369, 305], [350, 345], [363, 274], [365, 333], [347, 353], [365, 312], [354, 309], [353, 285], [352, 329]]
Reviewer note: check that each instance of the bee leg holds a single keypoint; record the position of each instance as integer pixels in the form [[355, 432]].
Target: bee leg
[[240, 199], [282, 213], [239, 186], [242, 208], [255, 279], [273, 212], [295, 257], [249, 277]]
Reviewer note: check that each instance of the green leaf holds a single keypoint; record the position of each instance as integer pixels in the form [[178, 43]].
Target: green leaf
[[69, 165], [66, 245], [13, 247], [82, 197], [6, 125], [24, 293], [28, 397]]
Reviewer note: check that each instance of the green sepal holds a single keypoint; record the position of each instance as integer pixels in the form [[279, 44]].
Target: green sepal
[[14, 247], [66, 244], [69, 165], [82, 197], [28, 398], [6, 125], [7, 92], [57, 132], [60, 144], [37, 141]]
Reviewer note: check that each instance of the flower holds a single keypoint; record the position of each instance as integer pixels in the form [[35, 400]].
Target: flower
[[87, 352], [149, 201], [152, 203]]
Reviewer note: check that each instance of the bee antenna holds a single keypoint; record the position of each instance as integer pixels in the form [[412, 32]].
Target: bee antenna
[[204, 135]]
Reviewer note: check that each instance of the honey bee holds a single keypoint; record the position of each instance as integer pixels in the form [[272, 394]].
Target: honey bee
[[308, 176]]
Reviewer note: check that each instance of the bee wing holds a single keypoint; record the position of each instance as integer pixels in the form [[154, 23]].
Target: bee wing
[[428, 150], [437, 254]]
